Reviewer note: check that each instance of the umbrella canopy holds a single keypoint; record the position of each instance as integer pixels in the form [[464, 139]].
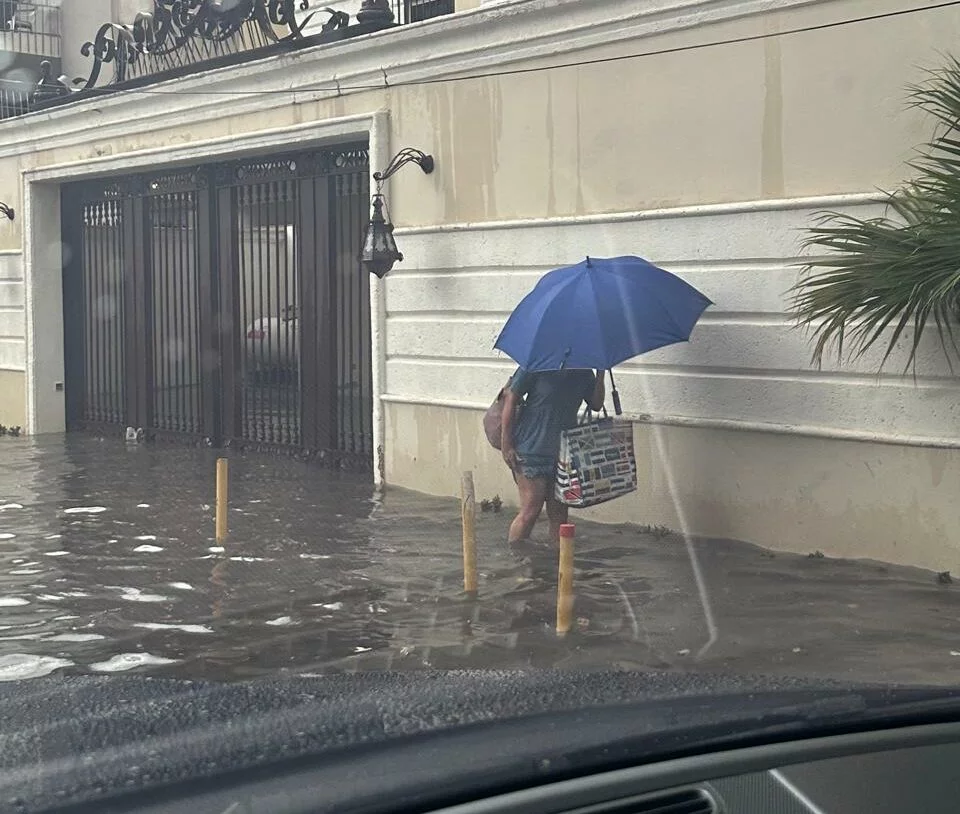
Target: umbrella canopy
[[600, 313]]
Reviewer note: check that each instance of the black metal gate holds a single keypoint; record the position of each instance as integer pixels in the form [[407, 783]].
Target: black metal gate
[[224, 303]]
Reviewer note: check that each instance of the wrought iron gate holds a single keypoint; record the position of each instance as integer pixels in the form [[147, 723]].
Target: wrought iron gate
[[224, 303]]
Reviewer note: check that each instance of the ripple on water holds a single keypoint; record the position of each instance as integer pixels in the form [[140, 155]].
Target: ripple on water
[[172, 626], [85, 510], [13, 601], [136, 595], [129, 661], [19, 666], [148, 549], [76, 637]]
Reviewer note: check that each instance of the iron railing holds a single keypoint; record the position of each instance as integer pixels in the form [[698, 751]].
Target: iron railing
[[415, 11], [30, 28], [178, 37]]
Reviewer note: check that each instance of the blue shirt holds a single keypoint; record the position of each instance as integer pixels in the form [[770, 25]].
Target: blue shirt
[[553, 399]]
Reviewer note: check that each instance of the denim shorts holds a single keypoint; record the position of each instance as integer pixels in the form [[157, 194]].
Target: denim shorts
[[537, 467]]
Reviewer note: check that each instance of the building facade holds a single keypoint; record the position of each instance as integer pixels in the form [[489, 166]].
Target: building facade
[[183, 256]]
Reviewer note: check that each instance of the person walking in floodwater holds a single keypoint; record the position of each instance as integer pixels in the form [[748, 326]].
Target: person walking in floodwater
[[531, 438]]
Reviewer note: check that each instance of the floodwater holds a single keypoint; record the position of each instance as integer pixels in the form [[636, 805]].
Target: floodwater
[[108, 564]]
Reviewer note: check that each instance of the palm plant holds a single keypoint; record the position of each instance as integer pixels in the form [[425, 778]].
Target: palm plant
[[878, 280]]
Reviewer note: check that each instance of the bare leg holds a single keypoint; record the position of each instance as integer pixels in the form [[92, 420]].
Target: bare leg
[[532, 494], [558, 513]]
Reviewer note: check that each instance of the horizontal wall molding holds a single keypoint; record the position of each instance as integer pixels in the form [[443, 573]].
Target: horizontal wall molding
[[720, 424], [747, 364], [304, 136], [478, 40], [813, 202], [12, 312]]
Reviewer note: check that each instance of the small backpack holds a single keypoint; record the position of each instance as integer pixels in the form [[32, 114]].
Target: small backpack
[[493, 418]]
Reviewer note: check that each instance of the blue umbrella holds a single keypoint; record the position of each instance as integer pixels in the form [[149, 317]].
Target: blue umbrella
[[600, 313]]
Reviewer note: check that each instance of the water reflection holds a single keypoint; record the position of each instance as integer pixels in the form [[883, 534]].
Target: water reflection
[[108, 564]]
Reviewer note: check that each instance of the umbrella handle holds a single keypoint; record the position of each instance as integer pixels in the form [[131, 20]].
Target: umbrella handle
[[617, 409]]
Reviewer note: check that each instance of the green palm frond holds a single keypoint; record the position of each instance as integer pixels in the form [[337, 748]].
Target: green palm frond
[[883, 279]]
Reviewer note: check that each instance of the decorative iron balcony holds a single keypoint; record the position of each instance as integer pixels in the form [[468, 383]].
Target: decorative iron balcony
[[180, 36]]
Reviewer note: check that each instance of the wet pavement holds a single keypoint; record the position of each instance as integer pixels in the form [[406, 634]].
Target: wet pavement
[[108, 564]]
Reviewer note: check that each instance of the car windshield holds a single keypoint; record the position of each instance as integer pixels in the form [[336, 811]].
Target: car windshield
[[432, 335]]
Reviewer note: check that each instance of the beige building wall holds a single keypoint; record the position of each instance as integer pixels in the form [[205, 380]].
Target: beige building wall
[[13, 398], [612, 151], [81, 19], [893, 503]]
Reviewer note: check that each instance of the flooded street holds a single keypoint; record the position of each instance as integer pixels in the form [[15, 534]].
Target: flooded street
[[108, 564]]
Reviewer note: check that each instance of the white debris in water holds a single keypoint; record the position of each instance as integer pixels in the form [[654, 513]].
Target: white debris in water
[[53, 537], [216, 549], [136, 595], [56, 553], [359, 649], [7, 536], [181, 586], [205, 506], [331, 606], [18, 666], [128, 661], [13, 601], [148, 549], [280, 621], [144, 537], [6, 506], [181, 628], [254, 501], [113, 540], [315, 556], [76, 637], [143, 505], [85, 510]]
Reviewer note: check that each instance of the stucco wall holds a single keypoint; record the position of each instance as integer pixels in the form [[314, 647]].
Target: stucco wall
[[788, 493], [13, 399], [805, 114]]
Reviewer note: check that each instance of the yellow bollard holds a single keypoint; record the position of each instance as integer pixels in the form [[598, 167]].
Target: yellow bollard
[[468, 502], [221, 500], [565, 581]]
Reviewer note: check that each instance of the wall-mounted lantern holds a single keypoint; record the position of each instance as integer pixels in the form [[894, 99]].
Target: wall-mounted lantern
[[6, 211], [380, 251]]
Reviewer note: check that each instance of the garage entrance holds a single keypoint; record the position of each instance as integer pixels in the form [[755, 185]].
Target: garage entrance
[[224, 304]]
